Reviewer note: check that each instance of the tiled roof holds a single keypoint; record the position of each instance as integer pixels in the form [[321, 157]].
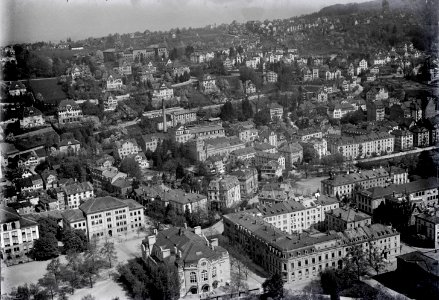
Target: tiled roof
[[73, 215], [356, 177], [192, 246], [132, 204], [348, 215], [8, 214], [101, 204], [77, 188]]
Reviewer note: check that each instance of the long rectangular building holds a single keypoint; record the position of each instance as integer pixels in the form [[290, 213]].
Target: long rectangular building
[[302, 256], [346, 184]]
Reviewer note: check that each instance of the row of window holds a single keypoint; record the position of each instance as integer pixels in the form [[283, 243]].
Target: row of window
[[204, 275]]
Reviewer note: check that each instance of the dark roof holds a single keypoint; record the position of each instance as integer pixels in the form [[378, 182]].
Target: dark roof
[[8, 214], [193, 247], [101, 204], [73, 215]]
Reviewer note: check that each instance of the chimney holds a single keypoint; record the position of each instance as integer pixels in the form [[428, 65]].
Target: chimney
[[155, 231], [197, 230], [165, 125]]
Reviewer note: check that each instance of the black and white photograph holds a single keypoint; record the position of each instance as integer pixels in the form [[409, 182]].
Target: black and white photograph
[[219, 149]]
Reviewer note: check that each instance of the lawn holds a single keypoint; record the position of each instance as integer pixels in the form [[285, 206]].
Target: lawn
[[49, 88]]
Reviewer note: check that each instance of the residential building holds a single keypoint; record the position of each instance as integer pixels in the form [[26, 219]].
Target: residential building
[[340, 110], [362, 146], [271, 77], [114, 83], [427, 224], [271, 169], [268, 137], [152, 141], [276, 111], [215, 164], [347, 184], [262, 158], [207, 84], [102, 176], [182, 201], [403, 140], [422, 192], [293, 153], [309, 133], [68, 112], [297, 214], [248, 181], [69, 146], [421, 136], [17, 88], [18, 234], [342, 218], [320, 145], [31, 117], [245, 155], [375, 110], [249, 87], [224, 192], [110, 102], [163, 92], [77, 193], [202, 265], [125, 148]]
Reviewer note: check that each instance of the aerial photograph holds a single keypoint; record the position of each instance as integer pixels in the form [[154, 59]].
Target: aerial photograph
[[219, 149]]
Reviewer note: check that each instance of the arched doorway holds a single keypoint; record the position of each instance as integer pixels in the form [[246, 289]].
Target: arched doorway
[[193, 290], [205, 288], [215, 284]]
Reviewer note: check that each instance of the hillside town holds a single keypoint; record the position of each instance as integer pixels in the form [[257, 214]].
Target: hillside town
[[278, 159]]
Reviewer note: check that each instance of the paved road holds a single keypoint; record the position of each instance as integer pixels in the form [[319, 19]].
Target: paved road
[[417, 150]]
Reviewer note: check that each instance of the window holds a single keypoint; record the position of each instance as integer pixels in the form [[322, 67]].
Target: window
[[204, 276], [213, 272], [193, 277]]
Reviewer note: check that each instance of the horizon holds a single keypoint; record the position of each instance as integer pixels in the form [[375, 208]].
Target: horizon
[[29, 21]]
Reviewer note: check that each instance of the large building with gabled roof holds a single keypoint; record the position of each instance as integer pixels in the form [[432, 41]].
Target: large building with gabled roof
[[106, 216]]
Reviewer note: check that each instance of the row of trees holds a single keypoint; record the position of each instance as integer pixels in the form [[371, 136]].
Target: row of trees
[[142, 281]]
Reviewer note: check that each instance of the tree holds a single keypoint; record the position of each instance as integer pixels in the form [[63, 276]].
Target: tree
[[74, 240], [330, 283], [45, 247], [71, 272], [274, 286], [49, 283], [92, 262], [109, 252], [247, 109], [54, 269], [227, 112], [88, 297], [309, 153], [131, 167], [262, 117], [356, 262], [164, 282], [375, 257]]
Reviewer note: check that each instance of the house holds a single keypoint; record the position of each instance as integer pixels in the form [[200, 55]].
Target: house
[[224, 192], [271, 77], [427, 224], [68, 111], [152, 141], [17, 88], [249, 87], [163, 92], [114, 83], [248, 180], [262, 158], [215, 164], [76, 193], [421, 136], [182, 201], [245, 155], [293, 153], [375, 110], [343, 218], [69, 146], [271, 169], [28, 159], [403, 140], [122, 186], [202, 265], [18, 236], [49, 178], [207, 84], [276, 111], [125, 148], [110, 102], [31, 117], [267, 136]]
